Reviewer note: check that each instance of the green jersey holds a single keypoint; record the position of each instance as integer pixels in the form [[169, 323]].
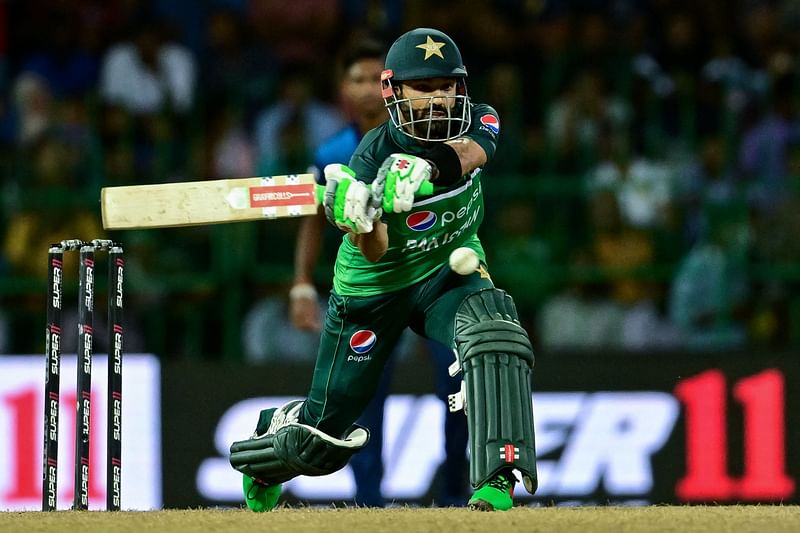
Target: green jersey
[[420, 241]]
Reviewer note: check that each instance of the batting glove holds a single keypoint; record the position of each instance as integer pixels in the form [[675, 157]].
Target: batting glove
[[398, 180], [348, 202]]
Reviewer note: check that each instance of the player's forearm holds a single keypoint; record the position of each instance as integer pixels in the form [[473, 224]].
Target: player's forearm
[[373, 244], [469, 153], [307, 250], [453, 159]]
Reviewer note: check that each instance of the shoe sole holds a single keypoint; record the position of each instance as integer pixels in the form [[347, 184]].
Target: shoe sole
[[480, 505]]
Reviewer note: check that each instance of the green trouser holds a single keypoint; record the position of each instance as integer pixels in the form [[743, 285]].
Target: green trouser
[[345, 378]]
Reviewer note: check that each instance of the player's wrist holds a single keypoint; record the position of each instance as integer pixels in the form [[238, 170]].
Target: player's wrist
[[303, 291], [445, 162]]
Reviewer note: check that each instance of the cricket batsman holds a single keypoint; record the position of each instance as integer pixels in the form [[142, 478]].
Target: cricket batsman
[[392, 272]]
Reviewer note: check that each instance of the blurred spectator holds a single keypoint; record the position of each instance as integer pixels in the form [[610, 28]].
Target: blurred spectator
[[764, 151], [577, 119], [712, 181], [671, 66], [287, 132], [236, 78], [575, 319], [623, 253], [44, 124], [644, 188], [614, 308], [268, 334], [146, 74], [33, 106], [776, 241], [709, 294], [618, 246], [229, 149], [726, 85], [148, 87]]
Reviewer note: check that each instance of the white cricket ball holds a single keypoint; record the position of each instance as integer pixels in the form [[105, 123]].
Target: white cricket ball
[[464, 261]]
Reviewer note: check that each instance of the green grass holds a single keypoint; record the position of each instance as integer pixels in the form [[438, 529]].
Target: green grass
[[738, 519]]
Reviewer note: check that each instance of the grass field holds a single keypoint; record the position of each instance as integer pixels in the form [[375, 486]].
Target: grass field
[[738, 519]]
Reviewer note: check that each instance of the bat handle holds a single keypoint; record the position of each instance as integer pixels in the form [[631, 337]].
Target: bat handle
[[426, 189], [319, 191]]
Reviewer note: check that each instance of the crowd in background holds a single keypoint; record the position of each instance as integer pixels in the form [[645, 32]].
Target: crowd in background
[[643, 198]]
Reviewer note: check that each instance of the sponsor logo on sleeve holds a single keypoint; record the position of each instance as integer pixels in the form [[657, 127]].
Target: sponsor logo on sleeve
[[490, 122]]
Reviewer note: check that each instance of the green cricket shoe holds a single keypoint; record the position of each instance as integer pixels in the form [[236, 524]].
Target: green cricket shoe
[[497, 494], [260, 498]]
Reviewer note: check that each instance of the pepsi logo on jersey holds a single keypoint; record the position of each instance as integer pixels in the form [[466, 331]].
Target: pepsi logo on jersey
[[490, 123], [421, 220]]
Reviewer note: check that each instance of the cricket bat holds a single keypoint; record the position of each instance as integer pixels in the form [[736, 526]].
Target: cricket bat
[[195, 203]]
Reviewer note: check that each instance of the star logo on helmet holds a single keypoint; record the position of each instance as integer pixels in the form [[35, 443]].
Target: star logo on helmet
[[432, 48]]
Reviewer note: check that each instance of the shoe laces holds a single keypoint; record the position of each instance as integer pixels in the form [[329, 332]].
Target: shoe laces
[[503, 482]]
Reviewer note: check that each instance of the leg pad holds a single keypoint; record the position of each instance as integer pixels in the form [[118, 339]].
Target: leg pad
[[497, 362]]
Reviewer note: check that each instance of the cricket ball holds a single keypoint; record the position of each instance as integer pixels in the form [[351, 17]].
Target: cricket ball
[[464, 261]]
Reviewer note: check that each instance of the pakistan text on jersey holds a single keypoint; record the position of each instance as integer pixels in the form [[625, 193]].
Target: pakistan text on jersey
[[466, 212]]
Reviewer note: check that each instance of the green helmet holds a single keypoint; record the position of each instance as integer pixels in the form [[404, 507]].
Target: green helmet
[[426, 53]]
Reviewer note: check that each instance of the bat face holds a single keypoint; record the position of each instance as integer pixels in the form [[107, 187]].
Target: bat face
[[209, 202]]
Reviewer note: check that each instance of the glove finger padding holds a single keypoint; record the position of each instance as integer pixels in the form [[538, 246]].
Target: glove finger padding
[[398, 180], [348, 202], [293, 450]]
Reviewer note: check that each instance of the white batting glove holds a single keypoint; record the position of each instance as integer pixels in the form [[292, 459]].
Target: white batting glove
[[398, 181], [348, 202]]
